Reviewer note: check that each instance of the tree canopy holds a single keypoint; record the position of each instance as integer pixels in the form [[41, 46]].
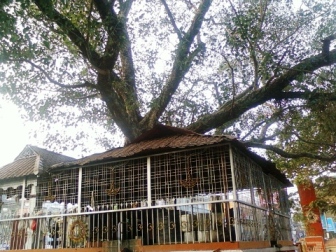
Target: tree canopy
[[262, 69]]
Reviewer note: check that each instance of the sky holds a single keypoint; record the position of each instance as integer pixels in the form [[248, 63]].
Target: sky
[[14, 134]]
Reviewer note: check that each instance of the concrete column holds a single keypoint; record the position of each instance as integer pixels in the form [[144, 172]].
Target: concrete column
[[307, 195]]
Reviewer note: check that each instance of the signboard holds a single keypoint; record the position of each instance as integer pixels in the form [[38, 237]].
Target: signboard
[[330, 225], [312, 243]]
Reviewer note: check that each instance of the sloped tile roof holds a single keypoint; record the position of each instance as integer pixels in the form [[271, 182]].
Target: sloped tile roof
[[25, 163], [153, 146], [19, 168], [165, 138]]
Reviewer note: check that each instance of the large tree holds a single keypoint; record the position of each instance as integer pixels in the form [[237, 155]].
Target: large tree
[[259, 68]]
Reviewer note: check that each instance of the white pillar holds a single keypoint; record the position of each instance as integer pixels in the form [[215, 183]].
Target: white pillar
[[32, 198], [79, 196], [23, 196], [149, 185]]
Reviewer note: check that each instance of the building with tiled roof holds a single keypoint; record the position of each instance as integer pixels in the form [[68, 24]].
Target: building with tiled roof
[[31, 161], [169, 190], [18, 179]]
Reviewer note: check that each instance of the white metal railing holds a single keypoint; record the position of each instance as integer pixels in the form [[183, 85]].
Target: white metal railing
[[161, 224]]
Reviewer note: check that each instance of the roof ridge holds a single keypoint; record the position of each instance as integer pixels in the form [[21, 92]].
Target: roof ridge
[[44, 149]]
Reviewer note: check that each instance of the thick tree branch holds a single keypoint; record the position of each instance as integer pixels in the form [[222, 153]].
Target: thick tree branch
[[108, 83], [47, 8], [227, 112], [118, 43], [105, 9], [128, 92], [180, 66], [125, 7], [119, 93], [114, 29], [288, 154], [126, 57], [326, 45]]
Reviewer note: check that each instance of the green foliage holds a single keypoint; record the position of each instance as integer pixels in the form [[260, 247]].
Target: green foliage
[[326, 193], [126, 65]]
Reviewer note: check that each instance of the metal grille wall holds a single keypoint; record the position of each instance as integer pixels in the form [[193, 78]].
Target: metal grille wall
[[242, 169], [65, 186], [116, 185], [190, 173], [43, 189], [255, 187], [59, 188], [279, 197]]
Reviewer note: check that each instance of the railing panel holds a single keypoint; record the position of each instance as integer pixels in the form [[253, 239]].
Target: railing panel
[[165, 224]]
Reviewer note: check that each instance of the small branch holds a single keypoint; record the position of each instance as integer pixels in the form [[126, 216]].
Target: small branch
[[277, 68], [217, 94], [268, 122], [172, 21], [233, 8], [85, 84], [255, 65], [285, 154], [311, 142], [305, 96], [190, 4], [200, 47], [88, 96], [232, 79], [262, 14]]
